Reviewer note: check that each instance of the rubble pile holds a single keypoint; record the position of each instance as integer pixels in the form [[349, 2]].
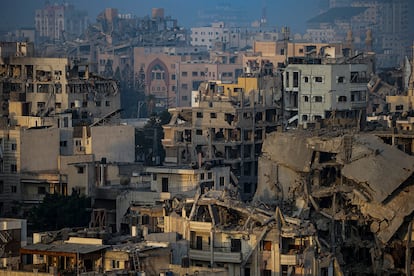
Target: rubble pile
[[354, 189]]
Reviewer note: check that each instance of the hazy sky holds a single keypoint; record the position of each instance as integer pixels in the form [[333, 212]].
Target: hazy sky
[[292, 13]]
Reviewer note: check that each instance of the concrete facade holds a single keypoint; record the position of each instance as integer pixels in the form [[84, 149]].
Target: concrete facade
[[176, 180], [227, 121], [170, 77], [44, 86], [325, 91], [115, 143], [209, 36]]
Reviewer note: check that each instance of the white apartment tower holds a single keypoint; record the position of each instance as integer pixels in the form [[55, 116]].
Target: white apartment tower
[[208, 36], [329, 92]]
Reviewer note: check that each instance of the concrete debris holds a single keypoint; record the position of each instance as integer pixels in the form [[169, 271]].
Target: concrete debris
[[338, 185], [324, 205]]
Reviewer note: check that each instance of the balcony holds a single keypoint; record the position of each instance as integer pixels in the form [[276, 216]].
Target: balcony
[[289, 259], [358, 105], [200, 226], [168, 142], [33, 198], [218, 256]]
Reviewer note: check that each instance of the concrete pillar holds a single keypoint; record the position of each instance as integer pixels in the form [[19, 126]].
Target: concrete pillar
[[276, 257]]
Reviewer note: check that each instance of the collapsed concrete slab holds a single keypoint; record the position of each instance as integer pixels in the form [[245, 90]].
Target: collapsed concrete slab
[[378, 167], [356, 190]]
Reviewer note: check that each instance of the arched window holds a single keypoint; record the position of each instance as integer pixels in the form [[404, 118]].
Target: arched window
[[157, 72]]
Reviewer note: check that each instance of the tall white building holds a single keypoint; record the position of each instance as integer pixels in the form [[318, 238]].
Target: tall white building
[[209, 36], [320, 89]]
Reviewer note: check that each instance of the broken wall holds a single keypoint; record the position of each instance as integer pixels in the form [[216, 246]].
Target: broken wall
[[354, 189]]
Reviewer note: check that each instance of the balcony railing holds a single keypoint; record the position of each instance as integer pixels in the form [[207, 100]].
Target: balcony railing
[[31, 198], [355, 105], [225, 257], [289, 259]]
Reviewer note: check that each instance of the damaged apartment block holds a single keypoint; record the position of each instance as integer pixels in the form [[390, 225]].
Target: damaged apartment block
[[338, 183], [227, 121], [224, 232]]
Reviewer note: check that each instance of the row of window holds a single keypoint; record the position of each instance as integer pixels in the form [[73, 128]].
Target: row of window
[[13, 188], [72, 104], [213, 115], [209, 33], [160, 75], [315, 117], [42, 105], [202, 177], [315, 99], [203, 74], [306, 79], [356, 96]]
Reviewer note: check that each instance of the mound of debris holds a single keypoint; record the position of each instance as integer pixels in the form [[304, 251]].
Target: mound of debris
[[354, 189]]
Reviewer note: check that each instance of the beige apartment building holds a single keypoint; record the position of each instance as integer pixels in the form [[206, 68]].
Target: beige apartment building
[[45, 86], [44, 150], [227, 121], [29, 166], [181, 179], [32, 164]]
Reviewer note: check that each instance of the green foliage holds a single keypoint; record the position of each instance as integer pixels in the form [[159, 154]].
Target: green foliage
[[165, 117], [58, 211], [148, 140]]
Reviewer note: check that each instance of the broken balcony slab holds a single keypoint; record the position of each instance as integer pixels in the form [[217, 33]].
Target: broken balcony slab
[[379, 168]]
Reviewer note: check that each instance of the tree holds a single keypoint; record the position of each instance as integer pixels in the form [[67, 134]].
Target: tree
[[148, 140], [58, 211]]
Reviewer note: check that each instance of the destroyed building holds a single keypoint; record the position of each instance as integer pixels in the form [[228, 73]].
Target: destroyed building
[[227, 121], [44, 100], [224, 232], [33, 86], [324, 204], [13, 235], [354, 189]]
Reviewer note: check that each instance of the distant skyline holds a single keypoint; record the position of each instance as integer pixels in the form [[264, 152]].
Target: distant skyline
[[293, 13]]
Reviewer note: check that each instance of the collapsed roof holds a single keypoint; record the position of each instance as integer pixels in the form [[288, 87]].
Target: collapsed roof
[[377, 174]]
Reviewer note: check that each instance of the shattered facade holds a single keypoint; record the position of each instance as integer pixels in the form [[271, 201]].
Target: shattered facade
[[338, 183], [228, 122], [44, 86], [13, 235], [43, 101], [242, 238]]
